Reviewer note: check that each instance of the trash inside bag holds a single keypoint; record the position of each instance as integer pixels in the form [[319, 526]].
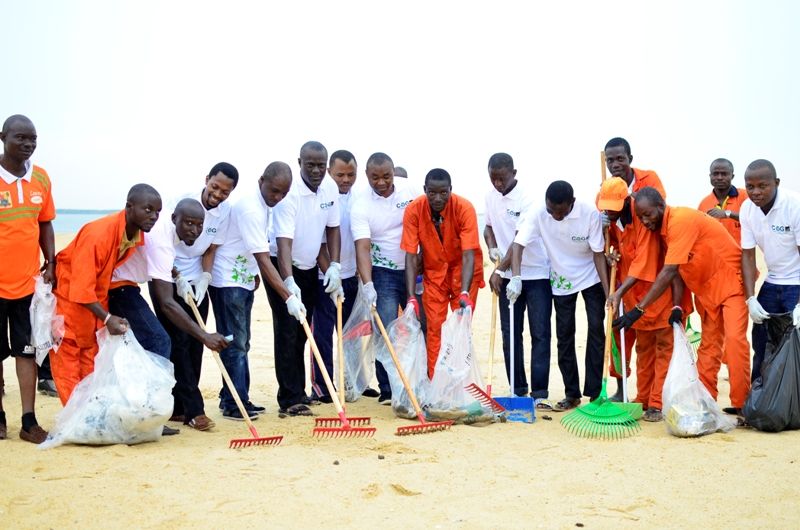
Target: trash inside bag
[[689, 410], [773, 404], [126, 400], [405, 334], [47, 328], [358, 342], [448, 398]]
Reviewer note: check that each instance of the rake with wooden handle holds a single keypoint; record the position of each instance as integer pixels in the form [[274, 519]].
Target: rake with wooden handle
[[236, 442], [344, 429], [424, 426]]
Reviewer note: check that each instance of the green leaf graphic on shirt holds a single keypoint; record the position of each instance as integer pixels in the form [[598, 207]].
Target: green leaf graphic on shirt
[[239, 273], [378, 259], [559, 282]]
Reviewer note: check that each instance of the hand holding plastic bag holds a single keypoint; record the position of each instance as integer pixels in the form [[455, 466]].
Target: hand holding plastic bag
[[358, 336], [47, 328]]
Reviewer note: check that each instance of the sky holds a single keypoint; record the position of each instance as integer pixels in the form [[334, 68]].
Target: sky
[[158, 92]]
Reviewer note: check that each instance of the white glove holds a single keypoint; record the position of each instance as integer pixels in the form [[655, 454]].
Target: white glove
[[333, 278], [184, 289], [201, 287], [495, 254], [757, 312], [604, 219], [369, 293], [336, 294], [294, 290], [514, 289], [296, 308], [796, 316]]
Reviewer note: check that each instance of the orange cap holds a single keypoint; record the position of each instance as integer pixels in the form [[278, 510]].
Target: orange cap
[[612, 194]]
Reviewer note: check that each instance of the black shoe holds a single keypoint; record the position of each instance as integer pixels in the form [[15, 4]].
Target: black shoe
[[370, 393], [169, 431], [252, 407], [617, 397], [735, 411], [385, 399], [235, 415], [47, 387], [323, 399]]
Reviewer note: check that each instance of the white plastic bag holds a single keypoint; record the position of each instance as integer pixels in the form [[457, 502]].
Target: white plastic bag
[[47, 328], [689, 410], [126, 400], [405, 334], [358, 335]]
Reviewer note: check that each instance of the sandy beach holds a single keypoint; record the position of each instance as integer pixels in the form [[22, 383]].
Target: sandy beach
[[507, 474]]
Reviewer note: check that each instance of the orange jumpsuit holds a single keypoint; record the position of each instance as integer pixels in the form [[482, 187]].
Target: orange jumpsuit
[[733, 202], [84, 270], [709, 261], [441, 260]]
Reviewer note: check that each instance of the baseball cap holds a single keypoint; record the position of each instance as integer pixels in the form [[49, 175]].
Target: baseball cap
[[613, 193]]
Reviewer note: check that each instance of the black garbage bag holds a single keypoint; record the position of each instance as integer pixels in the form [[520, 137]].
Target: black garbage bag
[[774, 401]]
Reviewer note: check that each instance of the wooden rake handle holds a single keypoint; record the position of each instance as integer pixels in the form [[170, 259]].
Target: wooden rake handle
[[324, 371], [492, 335], [340, 346], [609, 318]]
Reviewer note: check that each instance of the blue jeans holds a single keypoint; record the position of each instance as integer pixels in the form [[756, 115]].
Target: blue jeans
[[127, 302], [537, 298], [323, 324], [232, 309], [391, 288], [775, 299]]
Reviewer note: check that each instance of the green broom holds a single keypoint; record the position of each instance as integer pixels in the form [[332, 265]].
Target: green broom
[[602, 418]]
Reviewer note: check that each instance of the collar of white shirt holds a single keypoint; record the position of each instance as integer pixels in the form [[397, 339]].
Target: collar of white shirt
[[303, 188], [11, 179]]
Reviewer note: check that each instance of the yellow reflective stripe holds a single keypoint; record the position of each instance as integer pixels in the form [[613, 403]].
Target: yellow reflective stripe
[[42, 178], [15, 209], [23, 215]]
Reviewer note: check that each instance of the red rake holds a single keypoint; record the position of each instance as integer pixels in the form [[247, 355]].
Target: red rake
[[424, 426], [484, 398], [343, 428]]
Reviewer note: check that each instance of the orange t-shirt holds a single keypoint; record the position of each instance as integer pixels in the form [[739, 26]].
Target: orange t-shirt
[[733, 202], [84, 269], [20, 215], [708, 259], [459, 232]]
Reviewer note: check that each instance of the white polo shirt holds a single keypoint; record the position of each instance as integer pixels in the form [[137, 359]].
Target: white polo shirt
[[777, 234], [188, 259], [380, 219], [570, 245], [302, 217], [347, 255], [505, 213], [234, 264], [154, 259]]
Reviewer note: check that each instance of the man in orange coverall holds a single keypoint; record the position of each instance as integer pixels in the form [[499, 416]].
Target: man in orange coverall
[[445, 227], [84, 270], [618, 161], [709, 262], [640, 257], [725, 199]]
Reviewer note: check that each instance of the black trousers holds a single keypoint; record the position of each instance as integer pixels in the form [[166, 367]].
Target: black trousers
[[289, 338], [187, 357]]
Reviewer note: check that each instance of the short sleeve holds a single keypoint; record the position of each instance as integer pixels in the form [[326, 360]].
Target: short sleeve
[[284, 216], [410, 240], [253, 230], [222, 230], [596, 241], [359, 221], [748, 238], [48, 211], [488, 215], [334, 213], [528, 229]]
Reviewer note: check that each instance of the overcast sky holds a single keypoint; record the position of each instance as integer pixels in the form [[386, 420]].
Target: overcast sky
[[158, 91]]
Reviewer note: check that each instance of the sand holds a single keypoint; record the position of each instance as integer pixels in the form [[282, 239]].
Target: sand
[[469, 477]]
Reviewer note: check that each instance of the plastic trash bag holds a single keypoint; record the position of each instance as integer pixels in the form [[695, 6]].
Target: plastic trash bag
[[358, 336], [405, 334], [126, 400], [689, 410], [47, 328], [448, 398], [774, 401]]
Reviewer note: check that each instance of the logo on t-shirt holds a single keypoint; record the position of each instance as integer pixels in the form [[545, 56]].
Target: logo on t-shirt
[[211, 230], [36, 197], [326, 205], [512, 213], [402, 204], [781, 229], [580, 238], [5, 199]]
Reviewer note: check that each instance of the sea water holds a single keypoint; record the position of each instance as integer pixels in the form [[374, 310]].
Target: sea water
[[70, 221]]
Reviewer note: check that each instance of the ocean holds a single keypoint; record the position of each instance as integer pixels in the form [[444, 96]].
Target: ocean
[[70, 221]]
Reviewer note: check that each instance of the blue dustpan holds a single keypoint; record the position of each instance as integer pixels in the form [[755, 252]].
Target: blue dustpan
[[518, 409]]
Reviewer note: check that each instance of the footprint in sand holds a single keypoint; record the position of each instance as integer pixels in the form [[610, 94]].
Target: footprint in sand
[[371, 491], [403, 491]]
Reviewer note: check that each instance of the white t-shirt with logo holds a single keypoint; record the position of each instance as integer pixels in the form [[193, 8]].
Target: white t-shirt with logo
[[302, 217], [570, 245], [234, 264], [188, 259], [777, 234], [153, 260], [505, 213], [380, 219]]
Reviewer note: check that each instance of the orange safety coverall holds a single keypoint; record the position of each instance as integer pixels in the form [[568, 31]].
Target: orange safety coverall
[[733, 202], [84, 270], [441, 260], [709, 261]]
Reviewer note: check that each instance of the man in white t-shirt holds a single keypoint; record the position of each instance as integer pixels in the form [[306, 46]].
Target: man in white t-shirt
[[377, 226], [307, 217], [235, 276], [194, 263], [506, 204], [771, 220], [572, 235]]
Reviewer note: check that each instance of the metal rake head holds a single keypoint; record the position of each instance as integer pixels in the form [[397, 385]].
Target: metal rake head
[[424, 428], [484, 399], [343, 432], [336, 422], [248, 442]]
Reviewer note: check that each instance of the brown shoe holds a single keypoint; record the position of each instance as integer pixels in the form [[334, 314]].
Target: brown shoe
[[201, 423], [3, 431], [179, 417], [35, 436]]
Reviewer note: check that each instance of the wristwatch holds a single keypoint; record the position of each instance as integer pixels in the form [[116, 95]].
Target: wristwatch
[[728, 214]]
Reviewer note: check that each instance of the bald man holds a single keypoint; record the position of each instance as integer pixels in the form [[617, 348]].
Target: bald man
[[26, 214]]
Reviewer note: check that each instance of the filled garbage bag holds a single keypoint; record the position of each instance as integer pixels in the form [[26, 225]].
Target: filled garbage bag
[[689, 410], [47, 328], [405, 334], [126, 400], [774, 401], [358, 342]]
